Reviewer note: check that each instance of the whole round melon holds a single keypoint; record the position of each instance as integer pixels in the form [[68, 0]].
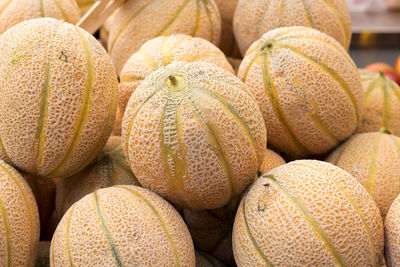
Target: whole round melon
[[211, 231], [253, 18], [159, 52], [13, 12], [205, 260], [307, 87], [193, 134], [57, 98], [228, 43], [392, 234], [108, 168], [122, 226], [85, 5], [307, 213], [139, 21], [381, 103], [271, 160], [19, 219], [374, 159]]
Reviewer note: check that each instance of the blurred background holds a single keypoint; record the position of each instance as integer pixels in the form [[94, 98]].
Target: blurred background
[[376, 31]]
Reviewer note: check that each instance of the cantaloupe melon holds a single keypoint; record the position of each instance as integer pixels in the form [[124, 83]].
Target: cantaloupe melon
[[271, 160], [374, 159], [43, 255], [381, 104], [19, 219], [85, 5], [57, 97], [192, 133], [159, 52], [254, 18], [122, 226], [308, 89], [205, 260], [392, 235], [139, 21], [13, 12], [211, 231], [104, 31], [44, 191], [109, 168], [228, 43], [307, 213]]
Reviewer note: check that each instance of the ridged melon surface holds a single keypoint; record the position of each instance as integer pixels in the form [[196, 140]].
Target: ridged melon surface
[[140, 21], [307, 213], [374, 159], [228, 43], [122, 226], [254, 18], [108, 168], [211, 231], [392, 235], [57, 97], [205, 260], [308, 89], [85, 5], [271, 160], [381, 104], [13, 12], [19, 219], [159, 52], [192, 133]]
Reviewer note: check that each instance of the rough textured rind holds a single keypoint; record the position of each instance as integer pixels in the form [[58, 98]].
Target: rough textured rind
[[271, 160], [211, 231], [374, 159], [122, 226], [205, 260], [392, 235], [140, 21], [192, 133], [159, 52], [228, 43], [307, 213], [253, 18], [19, 219], [308, 89], [108, 168], [57, 97], [381, 104], [13, 12]]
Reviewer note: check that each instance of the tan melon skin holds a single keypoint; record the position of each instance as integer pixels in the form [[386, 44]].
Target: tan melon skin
[[228, 43], [211, 231], [308, 89], [205, 260], [271, 160], [109, 168], [381, 104], [143, 228], [254, 18], [19, 219], [140, 21], [198, 143], [159, 52], [13, 12], [374, 159], [307, 213], [58, 97], [392, 234]]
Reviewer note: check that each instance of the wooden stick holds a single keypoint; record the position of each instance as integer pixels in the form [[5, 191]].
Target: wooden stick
[[98, 14]]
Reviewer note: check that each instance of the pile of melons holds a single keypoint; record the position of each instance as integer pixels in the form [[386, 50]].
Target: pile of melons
[[205, 101]]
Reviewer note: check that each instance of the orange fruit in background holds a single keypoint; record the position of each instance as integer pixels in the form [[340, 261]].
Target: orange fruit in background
[[387, 69]]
